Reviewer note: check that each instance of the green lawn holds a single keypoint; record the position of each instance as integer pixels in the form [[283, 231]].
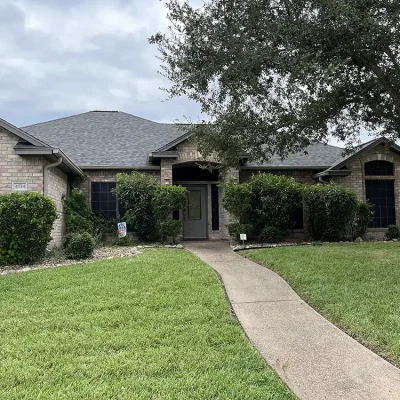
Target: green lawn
[[156, 326], [356, 286]]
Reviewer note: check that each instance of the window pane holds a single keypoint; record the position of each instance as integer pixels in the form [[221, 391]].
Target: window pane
[[379, 168], [380, 193], [103, 200]]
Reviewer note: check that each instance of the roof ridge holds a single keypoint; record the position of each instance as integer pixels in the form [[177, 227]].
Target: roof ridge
[[56, 119], [144, 119]]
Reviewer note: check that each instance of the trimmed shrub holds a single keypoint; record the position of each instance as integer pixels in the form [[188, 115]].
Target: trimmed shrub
[[236, 228], [271, 234], [332, 211], [393, 232], [79, 245], [237, 198], [150, 206], [169, 230], [274, 201], [137, 191], [26, 221], [265, 201], [364, 216]]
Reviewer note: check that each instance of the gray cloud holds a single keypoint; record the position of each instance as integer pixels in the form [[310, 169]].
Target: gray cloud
[[60, 58]]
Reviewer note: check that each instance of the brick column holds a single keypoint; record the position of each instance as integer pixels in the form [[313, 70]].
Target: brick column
[[166, 172], [225, 217]]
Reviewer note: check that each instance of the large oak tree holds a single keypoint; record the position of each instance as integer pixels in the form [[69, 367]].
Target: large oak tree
[[275, 75]]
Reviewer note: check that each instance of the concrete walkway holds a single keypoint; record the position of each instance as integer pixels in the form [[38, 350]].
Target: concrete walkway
[[315, 359]]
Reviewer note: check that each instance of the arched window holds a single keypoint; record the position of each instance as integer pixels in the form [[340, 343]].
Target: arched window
[[379, 168], [380, 192]]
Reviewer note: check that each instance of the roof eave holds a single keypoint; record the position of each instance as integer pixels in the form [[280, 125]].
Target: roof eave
[[122, 167], [333, 172], [285, 167], [43, 151]]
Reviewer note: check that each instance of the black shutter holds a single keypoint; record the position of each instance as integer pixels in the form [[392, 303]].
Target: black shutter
[[214, 208]]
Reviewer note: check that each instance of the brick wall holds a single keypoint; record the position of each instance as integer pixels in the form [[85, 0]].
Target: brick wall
[[356, 180], [57, 187], [17, 169]]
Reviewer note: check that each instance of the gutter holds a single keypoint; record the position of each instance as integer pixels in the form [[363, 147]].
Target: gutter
[[42, 151], [46, 175]]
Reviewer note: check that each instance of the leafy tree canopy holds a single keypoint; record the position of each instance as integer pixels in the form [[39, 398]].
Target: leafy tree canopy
[[275, 75]]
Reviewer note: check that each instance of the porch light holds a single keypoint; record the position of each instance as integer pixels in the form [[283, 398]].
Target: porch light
[[166, 180]]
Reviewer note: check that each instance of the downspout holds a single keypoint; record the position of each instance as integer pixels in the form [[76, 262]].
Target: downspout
[[321, 179], [46, 175]]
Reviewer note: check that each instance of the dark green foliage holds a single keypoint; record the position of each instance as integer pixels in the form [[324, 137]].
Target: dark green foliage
[[393, 232], [275, 75], [365, 214], [274, 200], [79, 245], [137, 190], [237, 198], [169, 229], [168, 199], [80, 218], [271, 234], [78, 215], [332, 210], [150, 206], [26, 221], [236, 228], [266, 200]]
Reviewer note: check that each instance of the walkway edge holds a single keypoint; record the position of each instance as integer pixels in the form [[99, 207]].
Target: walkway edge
[[315, 358]]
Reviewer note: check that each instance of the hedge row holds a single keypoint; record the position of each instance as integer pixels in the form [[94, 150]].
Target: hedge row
[[265, 207]]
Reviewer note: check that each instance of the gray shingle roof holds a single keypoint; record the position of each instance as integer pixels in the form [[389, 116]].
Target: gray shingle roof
[[106, 138], [317, 155], [111, 138]]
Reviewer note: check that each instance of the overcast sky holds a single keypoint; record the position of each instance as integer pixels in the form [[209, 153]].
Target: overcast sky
[[59, 58], [63, 57]]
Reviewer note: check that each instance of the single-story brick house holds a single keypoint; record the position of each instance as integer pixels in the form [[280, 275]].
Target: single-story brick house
[[99, 144]]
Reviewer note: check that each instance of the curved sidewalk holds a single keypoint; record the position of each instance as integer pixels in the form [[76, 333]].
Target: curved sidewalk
[[315, 359]]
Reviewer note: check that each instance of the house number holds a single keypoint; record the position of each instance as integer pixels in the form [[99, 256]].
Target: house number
[[20, 187]]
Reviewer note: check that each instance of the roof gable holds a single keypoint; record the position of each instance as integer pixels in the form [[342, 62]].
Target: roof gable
[[341, 162], [25, 136]]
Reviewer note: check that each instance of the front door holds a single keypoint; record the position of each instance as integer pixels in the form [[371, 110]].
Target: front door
[[195, 222]]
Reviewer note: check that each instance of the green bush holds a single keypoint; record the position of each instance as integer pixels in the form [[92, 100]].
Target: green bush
[[150, 206], [393, 232], [265, 201], [236, 228], [79, 245], [237, 198], [168, 199], [78, 215], [274, 201], [26, 221], [271, 234], [169, 229], [80, 218], [332, 211], [364, 216], [137, 191]]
